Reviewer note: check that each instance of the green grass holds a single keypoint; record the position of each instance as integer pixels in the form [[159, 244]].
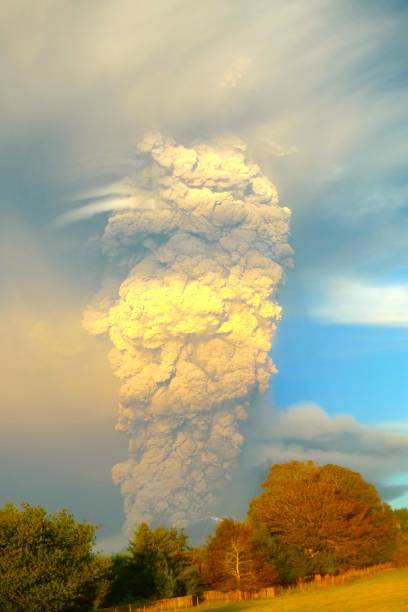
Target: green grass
[[385, 592]]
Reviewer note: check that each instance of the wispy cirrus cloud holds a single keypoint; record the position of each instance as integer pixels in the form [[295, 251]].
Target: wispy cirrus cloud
[[105, 205]]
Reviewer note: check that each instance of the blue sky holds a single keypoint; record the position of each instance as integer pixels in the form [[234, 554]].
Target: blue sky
[[318, 90], [342, 368]]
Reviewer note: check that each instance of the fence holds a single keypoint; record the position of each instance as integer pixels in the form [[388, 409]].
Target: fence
[[173, 603], [327, 580], [238, 595], [351, 574], [190, 601]]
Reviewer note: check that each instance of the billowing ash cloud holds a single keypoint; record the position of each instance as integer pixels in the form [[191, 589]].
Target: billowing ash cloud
[[192, 322]]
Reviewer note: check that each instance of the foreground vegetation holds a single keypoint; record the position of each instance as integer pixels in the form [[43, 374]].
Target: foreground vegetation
[[309, 521], [385, 592], [47, 562]]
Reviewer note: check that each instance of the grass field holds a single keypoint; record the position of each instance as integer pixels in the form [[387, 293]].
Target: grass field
[[384, 592]]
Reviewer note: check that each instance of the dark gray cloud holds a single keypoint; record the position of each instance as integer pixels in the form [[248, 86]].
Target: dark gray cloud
[[306, 431], [391, 493]]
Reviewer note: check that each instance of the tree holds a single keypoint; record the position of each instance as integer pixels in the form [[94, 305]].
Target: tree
[[401, 552], [47, 563], [237, 559], [401, 516], [157, 564], [122, 580], [229, 559], [326, 518], [159, 557], [192, 576]]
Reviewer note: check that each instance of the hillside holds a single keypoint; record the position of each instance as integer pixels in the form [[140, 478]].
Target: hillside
[[385, 592]]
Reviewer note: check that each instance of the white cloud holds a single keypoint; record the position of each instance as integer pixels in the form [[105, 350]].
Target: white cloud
[[351, 301]]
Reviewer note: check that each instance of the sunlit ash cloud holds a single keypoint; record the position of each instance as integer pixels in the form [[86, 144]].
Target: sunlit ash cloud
[[192, 323]]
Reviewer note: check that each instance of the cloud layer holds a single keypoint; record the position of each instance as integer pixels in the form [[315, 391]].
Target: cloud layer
[[306, 431]]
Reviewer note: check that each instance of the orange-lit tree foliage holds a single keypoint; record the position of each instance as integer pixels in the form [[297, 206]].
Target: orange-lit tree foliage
[[235, 559], [323, 519]]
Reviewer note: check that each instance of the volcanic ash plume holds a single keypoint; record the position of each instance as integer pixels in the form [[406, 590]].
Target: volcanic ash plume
[[191, 325]]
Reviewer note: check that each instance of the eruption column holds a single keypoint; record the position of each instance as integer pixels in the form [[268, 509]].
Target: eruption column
[[193, 321]]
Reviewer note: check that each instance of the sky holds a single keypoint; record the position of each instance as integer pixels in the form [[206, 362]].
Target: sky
[[318, 91]]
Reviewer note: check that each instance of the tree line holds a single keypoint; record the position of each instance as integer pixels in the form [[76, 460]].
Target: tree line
[[308, 520]]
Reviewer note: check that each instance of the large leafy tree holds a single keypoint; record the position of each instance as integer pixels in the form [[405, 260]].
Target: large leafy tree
[[236, 558], [47, 562], [159, 557], [325, 518], [157, 564], [229, 561]]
